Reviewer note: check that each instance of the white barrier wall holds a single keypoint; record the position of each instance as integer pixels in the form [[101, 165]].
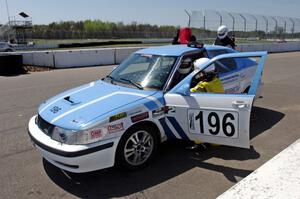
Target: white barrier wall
[[28, 58], [81, 58], [123, 53], [108, 56], [43, 58]]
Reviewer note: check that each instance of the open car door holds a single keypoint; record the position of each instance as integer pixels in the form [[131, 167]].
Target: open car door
[[213, 118]]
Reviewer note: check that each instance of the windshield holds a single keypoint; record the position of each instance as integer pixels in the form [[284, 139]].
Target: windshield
[[144, 71]]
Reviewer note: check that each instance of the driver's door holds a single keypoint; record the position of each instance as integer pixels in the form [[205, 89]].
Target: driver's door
[[213, 118]]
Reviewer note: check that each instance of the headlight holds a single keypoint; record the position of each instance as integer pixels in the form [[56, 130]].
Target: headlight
[[78, 137]]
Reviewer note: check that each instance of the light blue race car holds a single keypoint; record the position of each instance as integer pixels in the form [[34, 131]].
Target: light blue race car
[[121, 119]]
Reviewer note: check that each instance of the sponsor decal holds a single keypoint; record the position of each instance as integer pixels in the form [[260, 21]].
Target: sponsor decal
[[135, 111], [115, 128], [96, 133], [161, 111], [55, 109], [158, 112], [139, 117], [117, 117]]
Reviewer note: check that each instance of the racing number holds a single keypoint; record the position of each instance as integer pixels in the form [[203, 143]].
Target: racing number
[[214, 121], [226, 124]]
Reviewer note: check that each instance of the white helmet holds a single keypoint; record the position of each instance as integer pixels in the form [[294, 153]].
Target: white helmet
[[185, 66], [222, 32], [202, 61]]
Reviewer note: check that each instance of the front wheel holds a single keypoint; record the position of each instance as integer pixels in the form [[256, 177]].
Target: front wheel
[[136, 148]]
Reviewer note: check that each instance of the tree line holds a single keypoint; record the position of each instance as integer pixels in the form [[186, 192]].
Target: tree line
[[97, 29]]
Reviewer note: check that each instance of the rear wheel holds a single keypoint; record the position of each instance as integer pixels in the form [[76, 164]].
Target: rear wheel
[[137, 148]]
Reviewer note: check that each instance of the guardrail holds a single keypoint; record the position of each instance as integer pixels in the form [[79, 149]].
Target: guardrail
[[109, 56]]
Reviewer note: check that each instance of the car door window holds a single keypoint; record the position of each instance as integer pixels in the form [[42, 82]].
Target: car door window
[[177, 77], [224, 65]]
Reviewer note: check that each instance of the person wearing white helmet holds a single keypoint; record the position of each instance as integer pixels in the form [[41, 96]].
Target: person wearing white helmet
[[185, 66], [184, 69], [208, 78], [223, 39]]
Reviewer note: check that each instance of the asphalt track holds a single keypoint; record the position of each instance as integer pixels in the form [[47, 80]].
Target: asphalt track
[[175, 173]]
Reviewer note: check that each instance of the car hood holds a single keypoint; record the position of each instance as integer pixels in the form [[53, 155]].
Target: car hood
[[77, 107]]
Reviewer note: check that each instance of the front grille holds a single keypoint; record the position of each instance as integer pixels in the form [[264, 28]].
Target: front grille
[[45, 126]]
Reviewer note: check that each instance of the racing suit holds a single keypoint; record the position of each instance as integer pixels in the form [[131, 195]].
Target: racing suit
[[227, 41], [212, 86]]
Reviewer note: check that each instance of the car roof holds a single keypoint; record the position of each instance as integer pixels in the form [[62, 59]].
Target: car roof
[[175, 50]]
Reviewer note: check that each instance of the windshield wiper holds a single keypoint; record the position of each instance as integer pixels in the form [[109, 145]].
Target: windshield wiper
[[111, 78], [133, 83]]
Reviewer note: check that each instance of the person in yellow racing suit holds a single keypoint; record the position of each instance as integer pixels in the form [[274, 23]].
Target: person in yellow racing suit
[[209, 82]]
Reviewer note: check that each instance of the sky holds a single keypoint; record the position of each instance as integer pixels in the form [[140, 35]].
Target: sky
[[142, 11]]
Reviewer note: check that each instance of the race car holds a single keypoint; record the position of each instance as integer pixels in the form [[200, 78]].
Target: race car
[[6, 47], [121, 119]]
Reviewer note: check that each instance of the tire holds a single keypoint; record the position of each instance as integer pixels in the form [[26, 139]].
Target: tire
[[8, 50], [137, 148]]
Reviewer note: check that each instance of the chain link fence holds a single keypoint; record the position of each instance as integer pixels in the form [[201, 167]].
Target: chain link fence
[[245, 28], [245, 25]]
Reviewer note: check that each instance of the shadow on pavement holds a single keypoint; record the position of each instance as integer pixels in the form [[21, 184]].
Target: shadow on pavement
[[263, 120], [172, 160], [13, 73]]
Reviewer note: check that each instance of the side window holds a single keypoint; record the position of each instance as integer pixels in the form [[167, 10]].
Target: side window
[[214, 53], [185, 68], [229, 63], [210, 81], [224, 65]]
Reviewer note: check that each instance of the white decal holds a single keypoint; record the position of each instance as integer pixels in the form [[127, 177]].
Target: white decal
[[213, 123]]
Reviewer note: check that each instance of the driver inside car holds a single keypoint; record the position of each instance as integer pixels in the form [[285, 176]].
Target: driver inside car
[[184, 69]]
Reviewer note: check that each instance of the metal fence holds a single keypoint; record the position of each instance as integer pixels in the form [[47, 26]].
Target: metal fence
[[246, 25]]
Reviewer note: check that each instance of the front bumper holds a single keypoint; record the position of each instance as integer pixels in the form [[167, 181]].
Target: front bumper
[[73, 158]]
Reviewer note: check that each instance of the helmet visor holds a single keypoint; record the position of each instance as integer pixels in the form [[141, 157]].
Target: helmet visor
[[221, 34]]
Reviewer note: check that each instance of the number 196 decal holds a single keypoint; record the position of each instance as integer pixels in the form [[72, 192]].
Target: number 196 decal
[[213, 123]]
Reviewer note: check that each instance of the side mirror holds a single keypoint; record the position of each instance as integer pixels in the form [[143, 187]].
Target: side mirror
[[184, 90]]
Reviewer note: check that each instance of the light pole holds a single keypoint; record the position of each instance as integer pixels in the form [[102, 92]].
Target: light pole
[[7, 10], [267, 25], [233, 20], [221, 19], [203, 12], [255, 22], [245, 22], [276, 25], [293, 28], [189, 16]]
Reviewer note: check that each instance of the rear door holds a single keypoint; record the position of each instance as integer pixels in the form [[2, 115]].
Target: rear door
[[213, 118]]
